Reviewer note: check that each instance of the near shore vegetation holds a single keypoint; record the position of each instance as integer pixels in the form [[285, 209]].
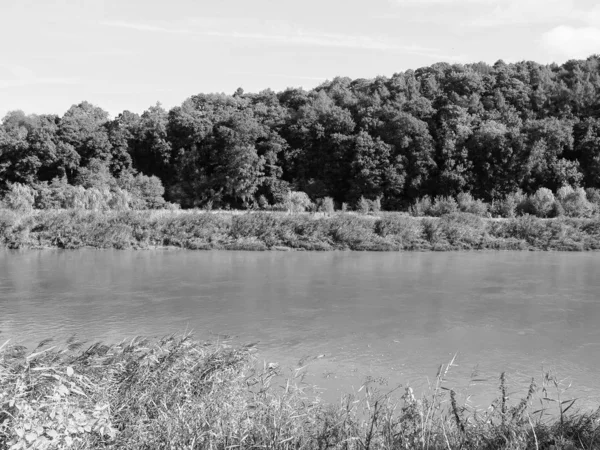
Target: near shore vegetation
[[177, 392]]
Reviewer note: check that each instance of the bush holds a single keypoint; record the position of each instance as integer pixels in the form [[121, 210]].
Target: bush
[[354, 232], [263, 203], [405, 230], [327, 205], [421, 207], [574, 202], [19, 197], [297, 201], [462, 230], [120, 200], [442, 206], [542, 202], [147, 192], [510, 205], [593, 196], [375, 205], [467, 204], [363, 205], [187, 230]]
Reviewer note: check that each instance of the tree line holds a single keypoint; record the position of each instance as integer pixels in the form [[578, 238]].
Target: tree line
[[489, 131]]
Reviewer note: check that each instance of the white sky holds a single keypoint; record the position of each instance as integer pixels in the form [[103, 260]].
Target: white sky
[[129, 54]]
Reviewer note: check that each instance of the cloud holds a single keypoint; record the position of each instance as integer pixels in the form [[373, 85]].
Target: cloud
[[518, 12], [442, 2], [282, 75], [145, 27], [572, 42], [496, 13], [284, 35], [14, 75]]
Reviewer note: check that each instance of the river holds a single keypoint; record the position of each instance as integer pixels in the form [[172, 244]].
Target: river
[[352, 315]]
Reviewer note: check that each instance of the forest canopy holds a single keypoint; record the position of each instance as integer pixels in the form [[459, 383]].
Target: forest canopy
[[489, 131]]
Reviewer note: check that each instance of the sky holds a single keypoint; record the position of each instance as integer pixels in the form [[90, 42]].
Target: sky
[[130, 54]]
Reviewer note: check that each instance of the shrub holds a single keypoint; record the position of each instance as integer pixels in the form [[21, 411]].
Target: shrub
[[375, 205], [363, 205], [464, 230], [443, 205], [510, 205], [564, 192], [421, 207], [593, 196], [263, 203], [187, 230], [265, 227], [19, 197], [297, 201], [120, 200], [354, 232], [575, 203], [327, 205], [467, 204], [542, 202], [402, 229]]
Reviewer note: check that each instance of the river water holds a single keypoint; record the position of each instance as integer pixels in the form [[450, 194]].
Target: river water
[[351, 315]]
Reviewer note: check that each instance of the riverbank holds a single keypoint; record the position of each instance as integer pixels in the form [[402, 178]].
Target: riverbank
[[198, 230], [181, 393]]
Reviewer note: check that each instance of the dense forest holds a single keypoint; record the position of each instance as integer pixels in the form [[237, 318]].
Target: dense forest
[[439, 131]]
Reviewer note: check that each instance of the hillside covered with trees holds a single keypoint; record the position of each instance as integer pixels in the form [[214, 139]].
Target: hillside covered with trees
[[439, 131]]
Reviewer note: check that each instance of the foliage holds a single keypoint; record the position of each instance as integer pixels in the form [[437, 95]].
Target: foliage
[[442, 206], [297, 201], [19, 197], [448, 130], [375, 205], [363, 206], [177, 392], [467, 204], [542, 202], [574, 202], [204, 230], [327, 205], [511, 205]]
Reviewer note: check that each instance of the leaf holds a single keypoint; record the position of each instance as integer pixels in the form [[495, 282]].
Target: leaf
[[568, 407], [63, 390], [30, 437], [52, 433], [69, 371]]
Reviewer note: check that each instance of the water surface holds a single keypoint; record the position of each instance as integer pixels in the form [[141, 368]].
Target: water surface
[[391, 315]]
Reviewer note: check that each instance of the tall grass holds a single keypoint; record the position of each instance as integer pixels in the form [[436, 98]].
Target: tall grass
[[179, 393], [204, 230]]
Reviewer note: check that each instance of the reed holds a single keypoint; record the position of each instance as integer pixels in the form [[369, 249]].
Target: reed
[[177, 392]]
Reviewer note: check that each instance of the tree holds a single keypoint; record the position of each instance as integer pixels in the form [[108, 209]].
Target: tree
[[84, 128]]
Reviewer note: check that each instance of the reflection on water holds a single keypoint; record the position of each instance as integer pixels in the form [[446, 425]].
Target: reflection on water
[[397, 315]]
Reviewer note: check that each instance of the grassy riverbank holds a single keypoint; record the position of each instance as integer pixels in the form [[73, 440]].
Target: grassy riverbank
[[180, 393], [73, 229]]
